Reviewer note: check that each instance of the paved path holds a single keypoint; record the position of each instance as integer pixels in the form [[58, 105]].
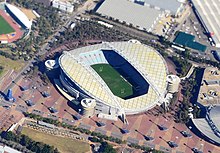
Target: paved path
[[189, 73]]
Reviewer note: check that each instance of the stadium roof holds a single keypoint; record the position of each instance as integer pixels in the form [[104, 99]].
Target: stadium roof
[[123, 10], [148, 61], [20, 15], [210, 14], [171, 5]]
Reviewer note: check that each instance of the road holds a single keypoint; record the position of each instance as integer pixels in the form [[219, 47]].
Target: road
[[80, 10]]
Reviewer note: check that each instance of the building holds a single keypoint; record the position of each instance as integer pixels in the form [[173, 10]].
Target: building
[[88, 106], [209, 125], [18, 16], [187, 40], [209, 15], [173, 83], [209, 100], [63, 6], [142, 66], [51, 64], [173, 7], [6, 149], [141, 17]]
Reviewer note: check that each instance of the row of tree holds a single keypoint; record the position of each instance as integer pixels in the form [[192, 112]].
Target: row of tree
[[89, 30], [30, 144], [182, 65], [190, 88], [96, 136]]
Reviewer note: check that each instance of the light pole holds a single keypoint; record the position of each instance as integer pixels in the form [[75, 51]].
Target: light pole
[[186, 132], [198, 150], [162, 127], [149, 138], [176, 139], [77, 116], [173, 144], [200, 147]]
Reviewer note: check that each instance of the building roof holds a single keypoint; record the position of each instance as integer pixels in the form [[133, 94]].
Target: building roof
[[203, 126], [6, 149], [188, 40], [210, 126], [151, 64], [210, 14], [20, 15], [124, 10], [210, 86], [170, 5]]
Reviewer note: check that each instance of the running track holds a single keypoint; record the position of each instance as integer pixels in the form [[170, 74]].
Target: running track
[[18, 32]]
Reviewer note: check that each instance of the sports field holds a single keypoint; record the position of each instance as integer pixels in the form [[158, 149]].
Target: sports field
[[5, 27], [117, 84]]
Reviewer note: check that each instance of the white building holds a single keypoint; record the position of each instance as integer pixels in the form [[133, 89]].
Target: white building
[[19, 16], [209, 15], [141, 17], [173, 7], [64, 6], [5, 149]]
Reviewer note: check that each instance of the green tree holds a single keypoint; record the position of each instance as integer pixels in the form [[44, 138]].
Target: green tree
[[106, 148]]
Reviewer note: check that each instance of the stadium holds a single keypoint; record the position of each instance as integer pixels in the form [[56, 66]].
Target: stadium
[[13, 23], [122, 77]]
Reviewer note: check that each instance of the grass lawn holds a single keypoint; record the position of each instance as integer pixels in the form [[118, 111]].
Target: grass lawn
[[8, 64], [64, 145], [117, 84], [5, 26]]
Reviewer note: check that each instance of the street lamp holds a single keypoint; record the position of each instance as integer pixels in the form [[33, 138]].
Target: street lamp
[[162, 127], [148, 137], [173, 144], [77, 116], [186, 132], [198, 150]]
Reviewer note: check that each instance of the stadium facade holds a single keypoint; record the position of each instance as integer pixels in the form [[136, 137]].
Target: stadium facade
[[18, 16], [142, 66]]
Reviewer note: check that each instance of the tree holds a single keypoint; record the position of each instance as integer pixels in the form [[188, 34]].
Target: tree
[[106, 148]]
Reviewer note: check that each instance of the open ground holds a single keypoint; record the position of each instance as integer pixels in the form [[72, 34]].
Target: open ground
[[64, 145], [9, 64]]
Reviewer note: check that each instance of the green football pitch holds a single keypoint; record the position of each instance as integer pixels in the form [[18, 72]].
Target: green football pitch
[[5, 27], [117, 84]]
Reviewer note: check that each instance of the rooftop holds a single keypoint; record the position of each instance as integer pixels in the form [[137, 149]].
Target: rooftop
[[210, 89], [188, 40], [171, 5], [210, 14], [210, 125], [124, 10], [20, 15]]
